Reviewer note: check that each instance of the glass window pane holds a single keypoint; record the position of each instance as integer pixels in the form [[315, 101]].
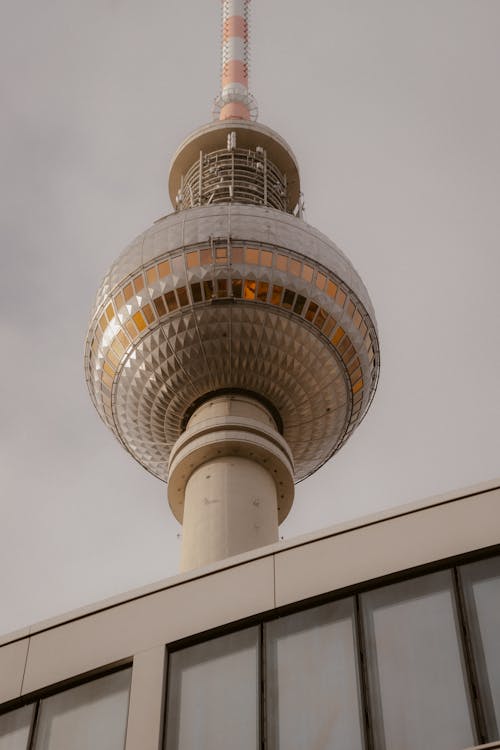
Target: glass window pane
[[415, 666], [481, 584], [90, 716], [15, 728], [313, 696], [213, 694]]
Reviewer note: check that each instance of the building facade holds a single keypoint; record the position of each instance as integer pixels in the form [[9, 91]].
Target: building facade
[[381, 634]]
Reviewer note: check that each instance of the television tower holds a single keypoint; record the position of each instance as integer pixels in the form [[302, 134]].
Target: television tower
[[232, 347]]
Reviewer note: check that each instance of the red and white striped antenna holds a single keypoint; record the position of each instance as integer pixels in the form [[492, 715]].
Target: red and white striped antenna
[[235, 101]]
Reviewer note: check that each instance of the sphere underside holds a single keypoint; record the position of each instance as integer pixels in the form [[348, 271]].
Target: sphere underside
[[232, 297], [264, 351]]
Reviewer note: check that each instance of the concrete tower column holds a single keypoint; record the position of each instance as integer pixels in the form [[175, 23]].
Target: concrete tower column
[[230, 480]]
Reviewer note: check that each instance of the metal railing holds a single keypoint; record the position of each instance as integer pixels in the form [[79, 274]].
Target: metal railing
[[236, 175]]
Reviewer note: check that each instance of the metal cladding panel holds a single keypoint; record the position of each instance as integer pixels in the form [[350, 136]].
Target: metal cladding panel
[[232, 296], [388, 546], [265, 225], [12, 664], [120, 632]]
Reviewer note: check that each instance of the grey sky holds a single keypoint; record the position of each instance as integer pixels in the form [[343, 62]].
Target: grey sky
[[392, 108]]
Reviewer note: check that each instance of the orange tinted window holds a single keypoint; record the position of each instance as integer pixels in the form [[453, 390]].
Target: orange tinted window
[[266, 258], [320, 280], [276, 294], [295, 267], [331, 289], [262, 291], [139, 320], [171, 301], [281, 262], [160, 306], [205, 257], [193, 259], [237, 254], [249, 291], [128, 292], [148, 313], [138, 283], [164, 269], [337, 335], [307, 272], [152, 275], [252, 255], [341, 298]]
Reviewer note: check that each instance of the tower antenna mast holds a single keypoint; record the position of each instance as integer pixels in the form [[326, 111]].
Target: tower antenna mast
[[235, 101]]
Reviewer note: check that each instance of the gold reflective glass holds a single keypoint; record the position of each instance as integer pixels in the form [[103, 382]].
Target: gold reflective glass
[[341, 297], [205, 256], [311, 311], [331, 289], [139, 320], [112, 358], [196, 292], [357, 386], [288, 299], [349, 354], [152, 275], [164, 269], [320, 318], [171, 301], [276, 294], [122, 338], [117, 347], [266, 258], [252, 255], [128, 292], [281, 262], [110, 370], [148, 313], [337, 335], [193, 259], [183, 297], [160, 306], [118, 300], [357, 319], [178, 265], [138, 283], [237, 286], [353, 366], [221, 287], [356, 375], [110, 313], [262, 290], [320, 280], [295, 267], [299, 304], [103, 322], [307, 272], [249, 291], [330, 323], [237, 254], [131, 329], [208, 289]]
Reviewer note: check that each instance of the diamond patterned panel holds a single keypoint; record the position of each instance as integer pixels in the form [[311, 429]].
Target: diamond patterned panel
[[232, 345]]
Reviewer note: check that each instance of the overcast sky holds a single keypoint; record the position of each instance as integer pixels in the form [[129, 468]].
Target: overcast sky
[[392, 108]]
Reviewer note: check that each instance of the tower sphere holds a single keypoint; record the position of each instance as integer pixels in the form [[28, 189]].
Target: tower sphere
[[233, 292]]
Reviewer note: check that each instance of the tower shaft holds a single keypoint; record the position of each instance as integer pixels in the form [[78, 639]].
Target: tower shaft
[[230, 480]]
